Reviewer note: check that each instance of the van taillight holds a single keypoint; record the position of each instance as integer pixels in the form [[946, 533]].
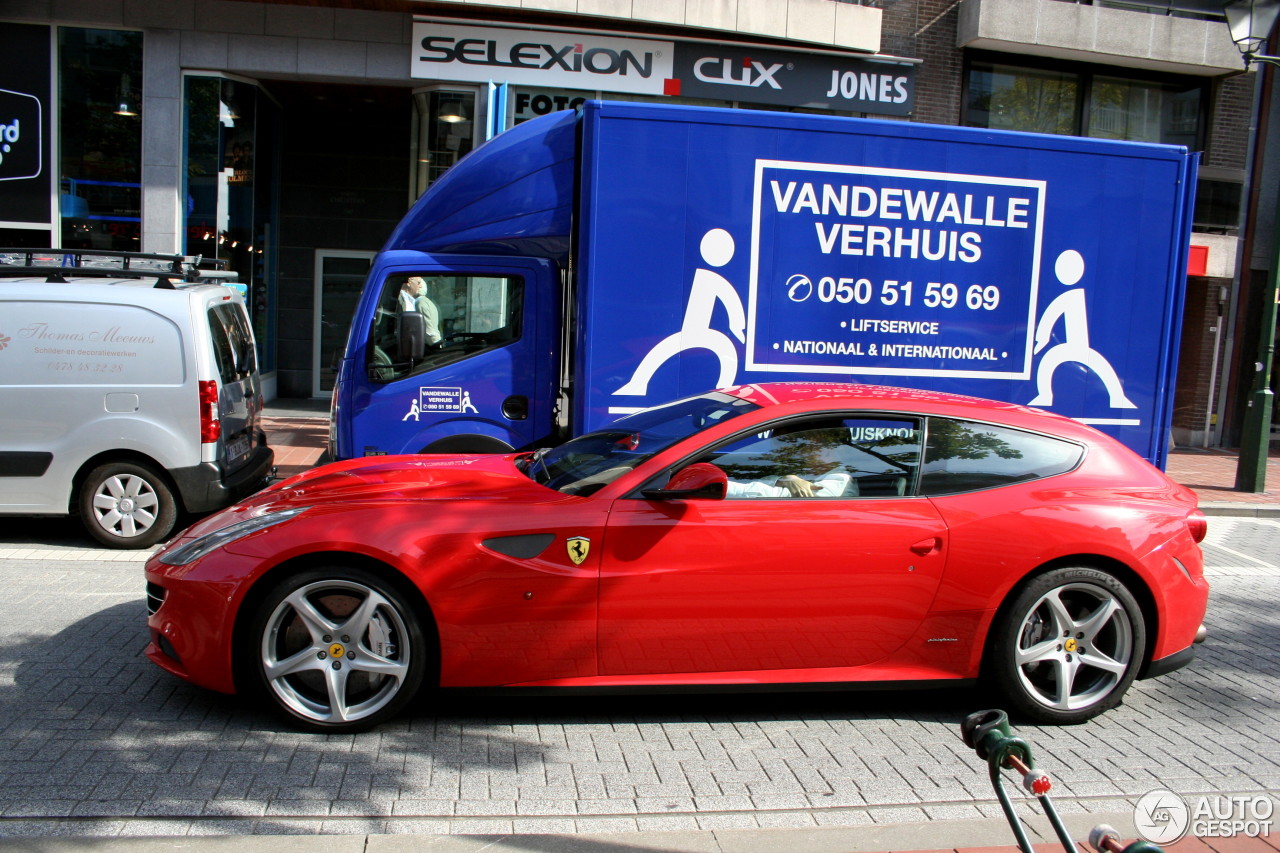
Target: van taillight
[[1198, 525], [210, 426]]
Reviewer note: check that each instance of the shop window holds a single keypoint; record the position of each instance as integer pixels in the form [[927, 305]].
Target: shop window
[[444, 132], [100, 138], [232, 131]]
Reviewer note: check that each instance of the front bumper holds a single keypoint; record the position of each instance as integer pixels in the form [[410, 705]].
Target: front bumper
[[190, 625]]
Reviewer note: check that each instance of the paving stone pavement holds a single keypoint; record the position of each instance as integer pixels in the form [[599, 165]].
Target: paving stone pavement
[[95, 741]]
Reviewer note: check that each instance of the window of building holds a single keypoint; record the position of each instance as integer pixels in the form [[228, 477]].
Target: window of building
[[1083, 100], [100, 138], [444, 132], [1144, 111], [1006, 97], [1217, 202], [1074, 99]]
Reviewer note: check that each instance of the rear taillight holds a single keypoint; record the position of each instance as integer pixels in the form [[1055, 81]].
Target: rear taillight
[[1198, 525], [210, 426]]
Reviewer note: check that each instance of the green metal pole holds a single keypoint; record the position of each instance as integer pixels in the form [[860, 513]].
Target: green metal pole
[[1255, 443]]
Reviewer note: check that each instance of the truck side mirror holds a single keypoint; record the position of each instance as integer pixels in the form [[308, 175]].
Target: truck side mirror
[[411, 340], [701, 480]]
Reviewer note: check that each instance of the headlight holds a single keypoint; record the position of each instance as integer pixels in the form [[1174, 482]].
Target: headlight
[[197, 548]]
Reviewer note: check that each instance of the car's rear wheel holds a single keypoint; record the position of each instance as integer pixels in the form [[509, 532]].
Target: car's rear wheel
[[1068, 645], [127, 505], [337, 649]]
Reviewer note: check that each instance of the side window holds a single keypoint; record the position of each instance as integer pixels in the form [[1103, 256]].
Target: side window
[[962, 456], [463, 315], [852, 457]]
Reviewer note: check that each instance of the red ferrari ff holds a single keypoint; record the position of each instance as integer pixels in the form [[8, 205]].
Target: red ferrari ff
[[760, 535]]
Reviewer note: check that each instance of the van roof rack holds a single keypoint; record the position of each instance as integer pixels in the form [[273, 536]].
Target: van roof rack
[[56, 263]]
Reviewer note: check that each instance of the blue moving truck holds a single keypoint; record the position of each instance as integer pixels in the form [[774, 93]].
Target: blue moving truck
[[587, 264]]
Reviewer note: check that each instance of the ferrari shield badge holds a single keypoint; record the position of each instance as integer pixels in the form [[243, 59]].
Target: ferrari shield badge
[[578, 546]]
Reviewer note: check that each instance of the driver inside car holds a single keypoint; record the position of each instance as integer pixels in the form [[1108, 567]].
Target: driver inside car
[[830, 485], [790, 462]]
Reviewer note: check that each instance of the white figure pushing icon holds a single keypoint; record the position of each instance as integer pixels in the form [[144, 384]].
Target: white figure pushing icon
[[1070, 306], [708, 288]]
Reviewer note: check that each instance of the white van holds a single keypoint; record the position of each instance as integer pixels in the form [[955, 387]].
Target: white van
[[128, 393]]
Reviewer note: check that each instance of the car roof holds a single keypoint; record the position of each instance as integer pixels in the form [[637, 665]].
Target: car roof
[[777, 393], [808, 396]]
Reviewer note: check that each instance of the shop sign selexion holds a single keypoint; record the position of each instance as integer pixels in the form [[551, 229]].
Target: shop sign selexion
[[531, 57]]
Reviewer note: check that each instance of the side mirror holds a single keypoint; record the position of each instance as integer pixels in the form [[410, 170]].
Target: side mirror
[[699, 480], [411, 340]]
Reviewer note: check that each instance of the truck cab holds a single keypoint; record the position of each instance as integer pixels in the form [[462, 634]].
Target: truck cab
[[451, 355]]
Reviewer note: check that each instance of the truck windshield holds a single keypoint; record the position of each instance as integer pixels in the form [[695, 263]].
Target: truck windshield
[[588, 463]]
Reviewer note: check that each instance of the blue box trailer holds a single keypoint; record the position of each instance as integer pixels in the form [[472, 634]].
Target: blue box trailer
[[587, 264]]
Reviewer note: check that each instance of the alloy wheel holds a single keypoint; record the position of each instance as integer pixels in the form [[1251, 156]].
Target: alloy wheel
[[336, 652]]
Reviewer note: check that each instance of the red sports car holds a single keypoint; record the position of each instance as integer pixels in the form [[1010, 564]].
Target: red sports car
[[759, 535]]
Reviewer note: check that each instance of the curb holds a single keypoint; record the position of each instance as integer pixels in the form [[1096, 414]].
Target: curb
[[989, 835], [1241, 510]]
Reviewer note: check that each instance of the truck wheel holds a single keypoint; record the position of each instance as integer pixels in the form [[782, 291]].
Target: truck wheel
[[1068, 645], [127, 505], [336, 649]]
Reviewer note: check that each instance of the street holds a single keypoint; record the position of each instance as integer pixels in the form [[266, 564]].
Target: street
[[96, 741]]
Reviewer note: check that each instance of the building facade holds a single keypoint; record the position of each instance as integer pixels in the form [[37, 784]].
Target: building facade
[[288, 138]]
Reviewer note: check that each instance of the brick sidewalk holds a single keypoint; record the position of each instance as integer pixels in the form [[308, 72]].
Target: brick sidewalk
[[1211, 474], [298, 442]]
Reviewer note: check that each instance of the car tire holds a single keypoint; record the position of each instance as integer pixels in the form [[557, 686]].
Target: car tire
[[1068, 645], [336, 649], [127, 505]]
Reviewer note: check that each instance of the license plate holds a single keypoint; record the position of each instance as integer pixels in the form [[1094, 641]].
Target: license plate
[[237, 448]]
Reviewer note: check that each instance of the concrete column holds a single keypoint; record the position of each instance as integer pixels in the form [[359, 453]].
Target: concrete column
[[161, 142]]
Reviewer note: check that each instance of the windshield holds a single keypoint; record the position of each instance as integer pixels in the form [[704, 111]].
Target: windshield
[[586, 464]]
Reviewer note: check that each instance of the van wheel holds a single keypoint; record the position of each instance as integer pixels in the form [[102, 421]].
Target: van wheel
[[125, 505]]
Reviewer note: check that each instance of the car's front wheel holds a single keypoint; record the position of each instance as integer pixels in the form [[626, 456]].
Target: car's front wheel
[[1068, 645], [337, 649], [126, 505]]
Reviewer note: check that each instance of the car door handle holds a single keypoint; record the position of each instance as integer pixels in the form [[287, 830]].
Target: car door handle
[[925, 547]]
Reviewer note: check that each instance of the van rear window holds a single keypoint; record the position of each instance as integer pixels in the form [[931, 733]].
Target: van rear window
[[232, 342]]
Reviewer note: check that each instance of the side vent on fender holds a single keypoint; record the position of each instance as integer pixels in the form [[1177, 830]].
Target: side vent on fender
[[523, 547]]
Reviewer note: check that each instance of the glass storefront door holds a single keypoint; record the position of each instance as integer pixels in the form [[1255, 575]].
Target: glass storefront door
[[340, 277]]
